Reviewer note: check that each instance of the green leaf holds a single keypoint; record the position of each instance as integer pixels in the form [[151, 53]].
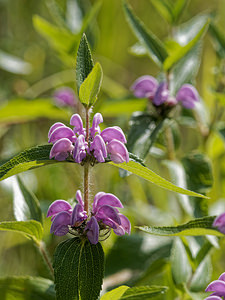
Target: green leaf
[[202, 275], [178, 9], [26, 288], [31, 229], [143, 292], [144, 129], [164, 8], [29, 159], [84, 63], [180, 267], [78, 267], [219, 39], [25, 204], [115, 294], [59, 38], [153, 45], [196, 227], [198, 170], [21, 110], [90, 88], [172, 59], [152, 177], [13, 64]]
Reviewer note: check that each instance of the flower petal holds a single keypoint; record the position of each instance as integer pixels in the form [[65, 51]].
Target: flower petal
[[77, 122], [61, 220], [92, 230], [63, 145], [213, 298], [99, 148], [54, 126], [80, 148], [162, 94], [145, 86], [118, 152], [65, 96], [222, 277], [97, 119], [108, 213], [220, 222], [96, 198], [187, 95], [57, 207], [79, 198], [217, 286], [78, 215], [112, 133], [61, 132], [106, 199]]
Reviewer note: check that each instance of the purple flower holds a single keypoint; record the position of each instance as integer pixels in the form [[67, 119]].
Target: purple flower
[[104, 215], [65, 97], [67, 142], [162, 94], [217, 287], [188, 96], [145, 87], [219, 222]]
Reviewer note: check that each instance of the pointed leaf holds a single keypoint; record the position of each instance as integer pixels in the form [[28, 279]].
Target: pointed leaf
[[196, 227], [180, 267], [31, 229], [178, 9], [25, 204], [152, 177], [153, 45], [143, 292], [164, 8], [78, 267], [90, 88], [26, 288], [115, 294], [84, 63], [202, 275], [182, 51]]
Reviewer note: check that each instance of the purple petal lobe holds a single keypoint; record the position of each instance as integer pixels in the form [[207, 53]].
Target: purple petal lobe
[[99, 148], [145, 87], [220, 222], [77, 122], [61, 132], [63, 145], [187, 95], [80, 148], [92, 230], [78, 215], [217, 286], [213, 298], [95, 125], [107, 212], [58, 206], [107, 199], [161, 94], [60, 221], [95, 202], [118, 152], [54, 126], [79, 198], [124, 227], [112, 133], [222, 277]]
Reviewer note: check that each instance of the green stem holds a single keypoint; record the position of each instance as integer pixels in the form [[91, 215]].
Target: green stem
[[44, 254], [86, 168]]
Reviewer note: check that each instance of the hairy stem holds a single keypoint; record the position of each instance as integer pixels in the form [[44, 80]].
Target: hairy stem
[[44, 254], [86, 167], [170, 144]]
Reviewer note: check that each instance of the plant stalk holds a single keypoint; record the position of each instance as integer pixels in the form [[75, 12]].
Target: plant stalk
[[45, 257], [86, 167]]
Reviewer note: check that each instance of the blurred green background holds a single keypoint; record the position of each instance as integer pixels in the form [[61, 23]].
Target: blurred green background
[[32, 66]]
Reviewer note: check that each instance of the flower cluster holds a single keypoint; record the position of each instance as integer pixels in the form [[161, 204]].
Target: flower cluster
[[219, 222], [158, 93], [217, 287], [97, 144], [104, 216]]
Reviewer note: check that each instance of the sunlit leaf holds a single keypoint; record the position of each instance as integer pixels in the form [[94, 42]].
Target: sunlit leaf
[[31, 229], [25, 204], [153, 45], [196, 227], [26, 288], [115, 294], [84, 63], [182, 51], [13, 64], [21, 110], [78, 268], [143, 292], [180, 267], [90, 88]]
